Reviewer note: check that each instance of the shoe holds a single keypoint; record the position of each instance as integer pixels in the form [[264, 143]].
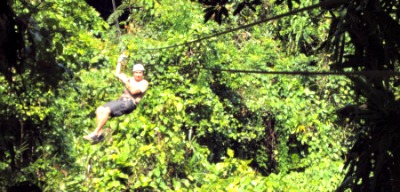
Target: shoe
[[90, 137], [98, 139]]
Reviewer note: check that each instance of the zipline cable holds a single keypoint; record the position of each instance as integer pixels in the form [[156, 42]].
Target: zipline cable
[[322, 4], [116, 20], [303, 73], [307, 73], [371, 73]]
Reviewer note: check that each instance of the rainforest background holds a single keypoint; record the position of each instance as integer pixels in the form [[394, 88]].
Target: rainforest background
[[245, 95]]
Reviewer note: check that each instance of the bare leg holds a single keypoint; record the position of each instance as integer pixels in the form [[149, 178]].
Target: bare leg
[[102, 114]]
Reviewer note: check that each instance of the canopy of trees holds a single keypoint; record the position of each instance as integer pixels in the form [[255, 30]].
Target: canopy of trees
[[258, 95]]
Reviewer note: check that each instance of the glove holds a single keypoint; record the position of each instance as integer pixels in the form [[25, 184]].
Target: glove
[[122, 58]]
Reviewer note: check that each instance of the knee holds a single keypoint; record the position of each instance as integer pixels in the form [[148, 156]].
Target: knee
[[103, 110], [99, 110]]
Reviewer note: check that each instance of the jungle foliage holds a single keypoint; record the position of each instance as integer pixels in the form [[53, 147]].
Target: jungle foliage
[[206, 123]]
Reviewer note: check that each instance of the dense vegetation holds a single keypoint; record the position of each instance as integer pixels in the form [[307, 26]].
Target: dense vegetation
[[219, 114]]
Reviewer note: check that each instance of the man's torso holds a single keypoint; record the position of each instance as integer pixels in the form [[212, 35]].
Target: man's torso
[[142, 85]]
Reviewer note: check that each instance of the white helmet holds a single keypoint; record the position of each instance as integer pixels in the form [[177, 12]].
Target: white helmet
[[138, 67]]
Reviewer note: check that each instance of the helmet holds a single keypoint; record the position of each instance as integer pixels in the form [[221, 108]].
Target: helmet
[[138, 67]]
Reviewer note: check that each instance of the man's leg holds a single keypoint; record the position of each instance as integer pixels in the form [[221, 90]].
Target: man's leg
[[102, 114], [118, 108]]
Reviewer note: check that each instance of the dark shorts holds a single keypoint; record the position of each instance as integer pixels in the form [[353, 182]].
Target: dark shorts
[[120, 106]]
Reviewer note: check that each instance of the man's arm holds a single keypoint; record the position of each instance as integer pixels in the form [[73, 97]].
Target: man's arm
[[121, 76]]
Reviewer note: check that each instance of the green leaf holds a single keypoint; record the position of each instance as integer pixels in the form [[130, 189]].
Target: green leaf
[[179, 106], [231, 153]]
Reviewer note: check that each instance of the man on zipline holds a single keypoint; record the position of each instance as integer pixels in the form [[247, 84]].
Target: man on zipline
[[135, 88]]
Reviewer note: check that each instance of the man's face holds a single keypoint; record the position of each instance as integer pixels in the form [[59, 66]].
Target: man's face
[[138, 75]]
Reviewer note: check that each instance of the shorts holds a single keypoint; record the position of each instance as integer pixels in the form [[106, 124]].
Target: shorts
[[120, 106]]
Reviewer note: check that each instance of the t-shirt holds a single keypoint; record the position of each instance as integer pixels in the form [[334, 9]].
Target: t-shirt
[[141, 85]]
